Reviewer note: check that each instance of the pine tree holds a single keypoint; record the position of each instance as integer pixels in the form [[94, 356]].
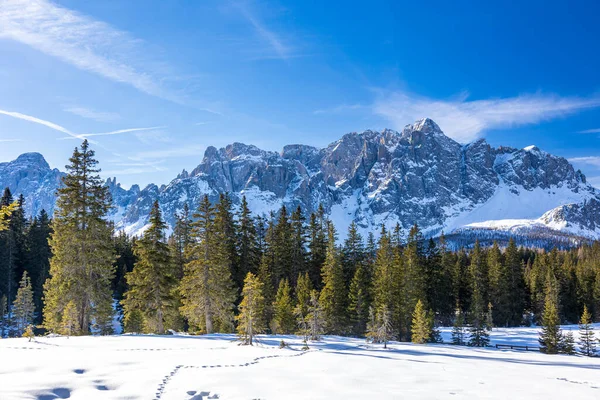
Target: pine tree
[[551, 336], [298, 252], [81, 269], [379, 328], [23, 306], [153, 282], [420, 329], [567, 345], [124, 263], [359, 300], [317, 245], [386, 280], [478, 333], [248, 246], [587, 340], [38, 258], [206, 288], [134, 321], [514, 285], [70, 320], [458, 330], [333, 295], [353, 253], [281, 246], [415, 284], [226, 238], [250, 319], [8, 280], [283, 318], [435, 336], [5, 212], [302, 309], [181, 239], [315, 317]]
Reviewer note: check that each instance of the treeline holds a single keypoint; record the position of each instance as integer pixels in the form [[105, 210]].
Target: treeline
[[24, 259], [223, 268]]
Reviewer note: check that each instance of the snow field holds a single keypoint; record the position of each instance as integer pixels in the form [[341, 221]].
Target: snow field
[[215, 366]]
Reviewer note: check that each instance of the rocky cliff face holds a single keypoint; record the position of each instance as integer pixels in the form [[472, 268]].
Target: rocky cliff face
[[31, 176], [418, 176]]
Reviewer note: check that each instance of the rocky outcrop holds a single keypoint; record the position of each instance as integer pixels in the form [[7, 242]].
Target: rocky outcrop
[[418, 176]]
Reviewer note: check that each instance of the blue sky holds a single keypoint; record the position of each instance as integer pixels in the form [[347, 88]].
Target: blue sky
[[153, 83]]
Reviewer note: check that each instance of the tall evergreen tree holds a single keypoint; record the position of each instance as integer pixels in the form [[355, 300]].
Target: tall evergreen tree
[[359, 300], [251, 317], [317, 245], [515, 285], [225, 234], [551, 336], [420, 328], [9, 210], [458, 330], [316, 322], [206, 288], [297, 251], [301, 311], [124, 263], [353, 253], [333, 295], [284, 322], [386, 284], [23, 307], [248, 241], [281, 245], [153, 281], [415, 284], [587, 340], [181, 239], [38, 258], [81, 268]]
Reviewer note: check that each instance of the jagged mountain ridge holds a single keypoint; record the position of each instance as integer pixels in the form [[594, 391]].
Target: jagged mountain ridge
[[418, 176]]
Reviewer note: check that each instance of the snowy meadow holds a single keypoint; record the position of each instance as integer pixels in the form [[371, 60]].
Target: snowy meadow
[[216, 367]]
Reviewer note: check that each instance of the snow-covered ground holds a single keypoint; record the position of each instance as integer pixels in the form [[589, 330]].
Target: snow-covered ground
[[214, 366]]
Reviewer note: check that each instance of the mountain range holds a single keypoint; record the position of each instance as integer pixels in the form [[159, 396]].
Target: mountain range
[[419, 175]]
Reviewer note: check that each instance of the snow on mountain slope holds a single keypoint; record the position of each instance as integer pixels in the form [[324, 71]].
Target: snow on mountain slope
[[417, 176], [215, 366]]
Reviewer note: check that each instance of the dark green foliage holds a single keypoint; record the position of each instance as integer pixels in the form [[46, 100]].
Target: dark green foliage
[[81, 269], [587, 339], [153, 281], [333, 295], [284, 322]]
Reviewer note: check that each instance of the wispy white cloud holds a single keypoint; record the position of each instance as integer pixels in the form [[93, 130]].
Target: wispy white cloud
[[118, 132], [72, 135], [100, 116], [84, 42], [590, 160], [465, 120], [39, 121], [597, 130], [279, 48]]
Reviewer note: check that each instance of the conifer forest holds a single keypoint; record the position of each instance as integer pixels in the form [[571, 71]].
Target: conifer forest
[[222, 268]]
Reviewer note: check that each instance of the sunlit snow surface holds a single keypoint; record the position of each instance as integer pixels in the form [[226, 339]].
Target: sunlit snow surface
[[214, 366]]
